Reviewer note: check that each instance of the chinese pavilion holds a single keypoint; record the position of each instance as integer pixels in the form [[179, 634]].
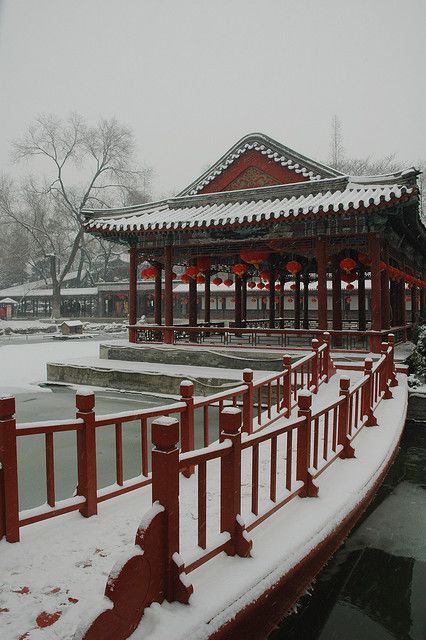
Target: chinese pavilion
[[263, 214]]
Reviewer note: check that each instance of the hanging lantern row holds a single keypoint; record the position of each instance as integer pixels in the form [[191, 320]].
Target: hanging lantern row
[[254, 257]]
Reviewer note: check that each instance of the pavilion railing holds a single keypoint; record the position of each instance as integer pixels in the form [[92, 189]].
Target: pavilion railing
[[263, 402], [253, 474], [261, 337]]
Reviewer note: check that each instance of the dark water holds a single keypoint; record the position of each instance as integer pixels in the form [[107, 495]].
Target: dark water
[[374, 588]]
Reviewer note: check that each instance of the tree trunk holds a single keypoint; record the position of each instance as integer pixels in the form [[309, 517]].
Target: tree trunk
[[56, 301]]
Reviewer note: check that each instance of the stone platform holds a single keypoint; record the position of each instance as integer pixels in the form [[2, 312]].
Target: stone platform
[[160, 369]]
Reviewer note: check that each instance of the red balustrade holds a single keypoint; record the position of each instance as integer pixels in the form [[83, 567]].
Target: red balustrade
[[263, 402]]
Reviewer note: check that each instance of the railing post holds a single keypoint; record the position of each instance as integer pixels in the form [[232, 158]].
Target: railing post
[[230, 484], [385, 373], [168, 336], [329, 369], [165, 489], [248, 401], [287, 360], [9, 497], [367, 396], [343, 421], [187, 422], [393, 381], [314, 378], [86, 453], [304, 401]]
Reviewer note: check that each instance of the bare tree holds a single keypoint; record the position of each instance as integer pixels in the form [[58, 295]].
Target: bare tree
[[50, 209]]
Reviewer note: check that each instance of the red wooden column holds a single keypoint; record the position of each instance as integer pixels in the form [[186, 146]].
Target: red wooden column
[[297, 301], [207, 294], [192, 300], [244, 299], [271, 295], [361, 298], [281, 311], [376, 315], [157, 296], [322, 282], [337, 293], [413, 304], [168, 292], [133, 266], [306, 301], [237, 310], [403, 303], [385, 298]]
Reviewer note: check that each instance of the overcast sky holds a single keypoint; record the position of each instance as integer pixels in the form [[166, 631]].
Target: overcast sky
[[191, 77]]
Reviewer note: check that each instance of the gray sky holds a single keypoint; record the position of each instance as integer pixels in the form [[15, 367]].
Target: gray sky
[[191, 77]]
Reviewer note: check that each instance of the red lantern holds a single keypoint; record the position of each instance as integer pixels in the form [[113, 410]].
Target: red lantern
[[239, 269], [253, 299], [293, 287], [293, 267], [407, 298], [260, 285], [349, 287], [278, 287], [203, 264], [184, 277], [217, 281], [364, 259], [254, 257], [251, 284], [192, 271], [382, 265], [313, 299], [264, 300], [201, 279], [348, 299], [267, 286], [289, 299], [347, 264], [211, 300], [228, 282], [265, 275], [149, 273]]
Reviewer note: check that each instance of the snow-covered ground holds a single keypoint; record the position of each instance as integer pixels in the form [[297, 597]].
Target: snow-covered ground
[[24, 366], [61, 565]]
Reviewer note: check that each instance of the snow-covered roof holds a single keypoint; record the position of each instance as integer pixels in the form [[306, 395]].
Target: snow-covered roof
[[8, 301], [31, 290], [279, 153], [282, 202], [72, 323]]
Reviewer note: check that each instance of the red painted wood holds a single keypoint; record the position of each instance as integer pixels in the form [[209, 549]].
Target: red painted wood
[[255, 479], [86, 454], [289, 461], [297, 300], [50, 469], [304, 446], [279, 174], [322, 282], [273, 471], [157, 295], [9, 500], [168, 289], [119, 453], [248, 399], [187, 422], [133, 265], [202, 478], [144, 446], [343, 421]]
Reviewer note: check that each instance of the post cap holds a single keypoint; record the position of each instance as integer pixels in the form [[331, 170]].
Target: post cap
[[85, 400], [165, 433], [186, 389], [384, 347], [287, 360], [230, 420], [248, 375], [344, 383], [368, 364], [304, 400], [7, 407], [391, 338], [315, 343]]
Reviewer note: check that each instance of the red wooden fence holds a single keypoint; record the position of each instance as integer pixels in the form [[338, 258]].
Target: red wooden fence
[[263, 402], [298, 450]]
